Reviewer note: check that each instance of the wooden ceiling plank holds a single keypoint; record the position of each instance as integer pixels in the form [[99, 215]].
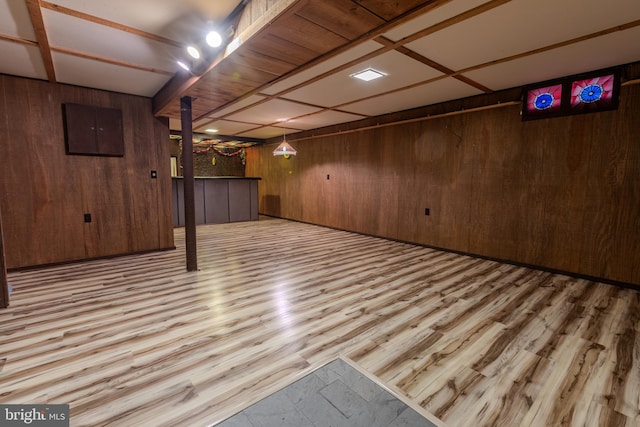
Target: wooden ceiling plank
[[218, 93], [301, 31], [261, 61], [349, 22], [388, 10], [282, 48], [235, 71], [35, 13]]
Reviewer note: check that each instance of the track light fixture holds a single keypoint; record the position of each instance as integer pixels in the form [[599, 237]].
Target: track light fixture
[[201, 53], [194, 52], [214, 39]]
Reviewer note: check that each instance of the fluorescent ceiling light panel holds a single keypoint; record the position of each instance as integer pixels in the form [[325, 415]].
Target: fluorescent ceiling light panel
[[368, 74]]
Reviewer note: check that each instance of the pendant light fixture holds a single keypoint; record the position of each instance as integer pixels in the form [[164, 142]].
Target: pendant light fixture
[[284, 149]]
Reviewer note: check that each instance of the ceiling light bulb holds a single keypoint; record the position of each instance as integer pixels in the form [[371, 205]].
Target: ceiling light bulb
[[214, 39], [194, 52], [183, 65]]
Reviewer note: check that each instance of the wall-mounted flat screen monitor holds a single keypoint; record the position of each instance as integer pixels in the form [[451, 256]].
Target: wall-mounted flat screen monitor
[[544, 100], [581, 93], [593, 94]]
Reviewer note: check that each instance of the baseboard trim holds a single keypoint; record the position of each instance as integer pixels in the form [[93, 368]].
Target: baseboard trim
[[79, 260]]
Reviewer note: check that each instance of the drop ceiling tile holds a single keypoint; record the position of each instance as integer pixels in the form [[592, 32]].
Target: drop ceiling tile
[[272, 111], [107, 42], [25, 60], [16, 22], [521, 26], [323, 118], [168, 18], [427, 94], [340, 88], [201, 122], [85, 72], [268, 132], [440, 14], [337, 61], [236, 106], [612, 49], [225, 127]]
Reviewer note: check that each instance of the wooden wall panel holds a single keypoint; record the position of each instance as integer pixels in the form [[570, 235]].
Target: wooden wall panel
[[371, 188], [435, 175], [612, 183], [4, 285], [42, 219], [629, 219], [161, 187], [504, 201], [558, 193], [45, 193]]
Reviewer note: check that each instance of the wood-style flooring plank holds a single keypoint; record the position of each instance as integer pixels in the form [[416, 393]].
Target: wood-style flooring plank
[[138, 340]]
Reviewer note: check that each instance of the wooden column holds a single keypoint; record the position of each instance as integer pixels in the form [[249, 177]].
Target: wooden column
[[4, 291], [189, 182]]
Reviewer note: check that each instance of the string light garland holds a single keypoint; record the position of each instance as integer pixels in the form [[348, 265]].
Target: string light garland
[[242, 153]]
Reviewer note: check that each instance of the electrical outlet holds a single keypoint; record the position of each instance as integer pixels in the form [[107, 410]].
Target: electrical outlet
[[426, 211], [87, 217], [327, 177]]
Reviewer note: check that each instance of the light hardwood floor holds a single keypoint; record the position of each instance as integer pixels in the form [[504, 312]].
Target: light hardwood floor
[[138, 341]]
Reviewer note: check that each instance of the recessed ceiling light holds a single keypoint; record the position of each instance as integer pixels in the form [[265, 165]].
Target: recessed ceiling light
[[193, 51], [211, 130], [368, 74]]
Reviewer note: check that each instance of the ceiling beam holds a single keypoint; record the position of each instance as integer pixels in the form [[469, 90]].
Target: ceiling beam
[[371, 35], [35, 13], [181, 82]]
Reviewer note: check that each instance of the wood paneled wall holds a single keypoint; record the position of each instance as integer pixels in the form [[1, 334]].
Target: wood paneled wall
[[4, 285], [561, 193], [44, 193]]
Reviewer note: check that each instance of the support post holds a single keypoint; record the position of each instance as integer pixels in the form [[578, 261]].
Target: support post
[[189, 184]]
